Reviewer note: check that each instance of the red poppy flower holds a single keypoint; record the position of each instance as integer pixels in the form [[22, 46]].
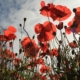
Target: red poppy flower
[[45, 31], [74, 24], [46, 9], [10, 54], [9, 35], [48, 52], [44, 69], [54, 52], [73, 44], [3, 37], [60, 13], [40, 61], [17, 61], [44, 47], [30, 47], [68, 30], [12, 29], [43, 78]]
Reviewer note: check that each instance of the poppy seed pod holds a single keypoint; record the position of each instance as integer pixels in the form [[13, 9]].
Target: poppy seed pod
[[74, 10], [24, 19]]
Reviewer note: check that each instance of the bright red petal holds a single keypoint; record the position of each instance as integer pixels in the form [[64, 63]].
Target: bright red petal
[[48, 26], [7, 32], [45, 36], [42, 3], [12, 28], [62, 12], [38, 28], [68, 30]]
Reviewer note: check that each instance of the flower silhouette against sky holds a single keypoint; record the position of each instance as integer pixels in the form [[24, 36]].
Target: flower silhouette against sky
[[74, 24], [45, 31], [56, 12], [30, 47], [10, 33]]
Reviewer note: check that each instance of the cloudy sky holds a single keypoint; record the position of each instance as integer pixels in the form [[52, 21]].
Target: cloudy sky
[[12, 12]]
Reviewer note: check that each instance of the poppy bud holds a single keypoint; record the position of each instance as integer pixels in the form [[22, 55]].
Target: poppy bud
[[20, 25], [65, 27], [15, 54], [60, 42], [33, 37], [54, 33], [63, 33], [20, 50], [74, 10], [73, 52], [74, 41], [19, 39], [46, 57], [24, 19]]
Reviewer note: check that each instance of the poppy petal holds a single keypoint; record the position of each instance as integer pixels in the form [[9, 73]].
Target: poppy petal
[[45, 36], [61, 12], [42, 3], [38, 28], [48, 26], [68, 30], [12, 29]]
